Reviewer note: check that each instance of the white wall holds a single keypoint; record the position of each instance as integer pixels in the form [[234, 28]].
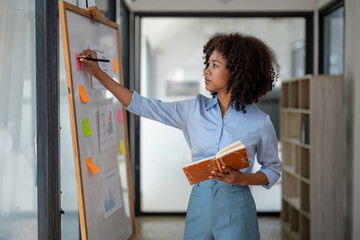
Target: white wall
[[322, 3], [221, 5]]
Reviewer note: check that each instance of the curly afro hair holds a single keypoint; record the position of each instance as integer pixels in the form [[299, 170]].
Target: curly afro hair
[[252, 65]]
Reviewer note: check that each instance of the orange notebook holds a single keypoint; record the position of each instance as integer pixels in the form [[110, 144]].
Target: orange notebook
[[233, 156]]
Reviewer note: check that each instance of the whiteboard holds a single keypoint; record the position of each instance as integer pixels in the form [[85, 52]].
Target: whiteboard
[[105, 197]]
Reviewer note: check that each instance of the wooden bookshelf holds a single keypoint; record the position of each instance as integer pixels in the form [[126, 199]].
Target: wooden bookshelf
[[312, 138]]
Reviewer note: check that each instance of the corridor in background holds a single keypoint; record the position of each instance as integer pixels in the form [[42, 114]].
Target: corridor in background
[[172, 69]]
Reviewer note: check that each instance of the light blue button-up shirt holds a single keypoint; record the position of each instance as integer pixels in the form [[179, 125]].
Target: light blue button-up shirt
[[206, 132]]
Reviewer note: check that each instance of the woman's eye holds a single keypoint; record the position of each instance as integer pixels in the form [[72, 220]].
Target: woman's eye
[[215, 66]]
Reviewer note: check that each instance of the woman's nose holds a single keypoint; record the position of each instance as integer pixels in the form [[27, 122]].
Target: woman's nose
[[206, 71]]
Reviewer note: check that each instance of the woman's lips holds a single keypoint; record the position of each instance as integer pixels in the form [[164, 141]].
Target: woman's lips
[[207, 81]]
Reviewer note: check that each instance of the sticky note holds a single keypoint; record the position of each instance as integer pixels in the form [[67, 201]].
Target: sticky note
[[86, 127], [93, 168], [122, 147], [83, 95], [119, 116], [115, 65], [79, 66]]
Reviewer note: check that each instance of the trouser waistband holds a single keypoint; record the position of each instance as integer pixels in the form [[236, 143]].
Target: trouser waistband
[[217, 183]]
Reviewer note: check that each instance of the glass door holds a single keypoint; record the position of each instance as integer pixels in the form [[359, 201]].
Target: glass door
[[332, 40], [172, 69]]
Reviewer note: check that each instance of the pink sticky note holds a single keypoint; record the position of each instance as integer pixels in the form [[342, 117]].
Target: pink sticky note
[[119, 115], [79, 66]]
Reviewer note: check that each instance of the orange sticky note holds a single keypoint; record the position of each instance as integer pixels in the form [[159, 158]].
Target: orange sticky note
[[83, 95], [122, 147], [115, 65], [94, 169]]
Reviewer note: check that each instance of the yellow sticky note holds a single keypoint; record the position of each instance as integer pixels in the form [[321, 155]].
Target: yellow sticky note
[[94, 169], [122, 147], [115, 65], [83, 95], [86, 127]]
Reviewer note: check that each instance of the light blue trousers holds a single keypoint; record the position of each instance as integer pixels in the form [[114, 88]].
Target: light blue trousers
[[221, 211]]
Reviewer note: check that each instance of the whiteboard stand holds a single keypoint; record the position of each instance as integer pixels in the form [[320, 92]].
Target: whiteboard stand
[[105, 198]]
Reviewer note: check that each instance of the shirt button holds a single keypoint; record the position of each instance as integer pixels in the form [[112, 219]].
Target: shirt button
[[214, 182]]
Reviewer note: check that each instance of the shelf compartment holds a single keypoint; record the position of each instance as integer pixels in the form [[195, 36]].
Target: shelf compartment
[[305, 197], [285, 211], [291, 125], [282, 125], [294, 219], [305, 163], [291, 185], [297, 159], [294, 94], [288, 154], [305, 128], [295, 142], [304, 94], [293, 202], [288, 234], [285, 95], [304, 228], [290, 221]]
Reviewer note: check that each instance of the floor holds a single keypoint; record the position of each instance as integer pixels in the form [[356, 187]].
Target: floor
[[171, 228]]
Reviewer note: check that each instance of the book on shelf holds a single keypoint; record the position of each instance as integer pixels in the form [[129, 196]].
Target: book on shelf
[[233, 156]]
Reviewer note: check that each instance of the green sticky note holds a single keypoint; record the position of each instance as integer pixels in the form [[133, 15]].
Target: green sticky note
[[86, 127]]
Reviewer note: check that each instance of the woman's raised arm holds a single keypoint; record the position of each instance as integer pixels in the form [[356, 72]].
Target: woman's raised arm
[[120, 92]]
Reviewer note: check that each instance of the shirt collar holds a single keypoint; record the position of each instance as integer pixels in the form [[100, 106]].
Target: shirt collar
[[211, 103]]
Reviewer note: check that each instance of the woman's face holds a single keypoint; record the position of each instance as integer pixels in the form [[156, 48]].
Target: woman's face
[[216, 74]]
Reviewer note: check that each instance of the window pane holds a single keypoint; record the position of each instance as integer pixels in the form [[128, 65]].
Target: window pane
[[70, 226], [334, 42], [172, 69], [18, 190]]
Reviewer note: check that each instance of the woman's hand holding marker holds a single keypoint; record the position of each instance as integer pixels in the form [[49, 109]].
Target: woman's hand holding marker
[[92, 67]]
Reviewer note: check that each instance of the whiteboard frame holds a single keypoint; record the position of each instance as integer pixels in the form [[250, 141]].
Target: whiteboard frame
[[97, 16]]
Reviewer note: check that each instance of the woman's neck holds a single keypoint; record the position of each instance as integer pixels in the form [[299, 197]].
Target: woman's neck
[[224, 100]]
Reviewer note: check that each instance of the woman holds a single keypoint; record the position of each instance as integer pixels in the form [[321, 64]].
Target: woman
[[239, 70]]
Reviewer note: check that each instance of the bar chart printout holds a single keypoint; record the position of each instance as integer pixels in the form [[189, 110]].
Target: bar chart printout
[[110, 192]]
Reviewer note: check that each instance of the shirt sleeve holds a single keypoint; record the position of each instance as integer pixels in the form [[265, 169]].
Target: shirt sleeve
[[267, 154], [174, 114]]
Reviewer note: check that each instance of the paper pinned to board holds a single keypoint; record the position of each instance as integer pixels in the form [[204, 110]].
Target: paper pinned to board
[[106, 128], [83, 95], [93, 168], [110, 185], [102, 53]]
